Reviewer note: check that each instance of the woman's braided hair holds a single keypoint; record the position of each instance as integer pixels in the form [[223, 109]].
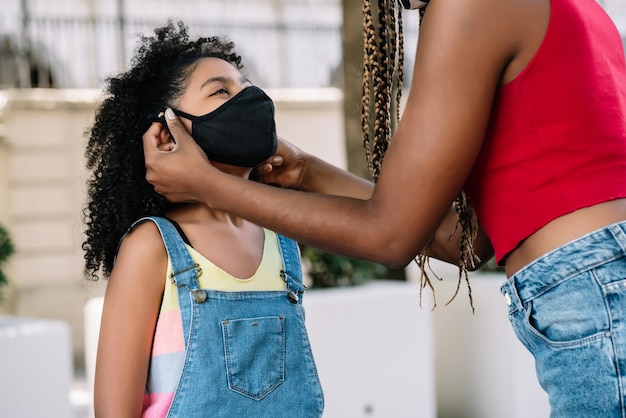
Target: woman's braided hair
[[382, 90]]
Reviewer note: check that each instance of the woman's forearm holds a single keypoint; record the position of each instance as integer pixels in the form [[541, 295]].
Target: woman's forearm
[[323, 177]]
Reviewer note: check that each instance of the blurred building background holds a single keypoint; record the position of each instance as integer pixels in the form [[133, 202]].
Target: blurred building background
[[285, 43], [77, 43]]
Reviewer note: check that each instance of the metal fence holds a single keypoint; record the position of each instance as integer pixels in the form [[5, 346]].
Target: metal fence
[[48, 49], [284, 43]]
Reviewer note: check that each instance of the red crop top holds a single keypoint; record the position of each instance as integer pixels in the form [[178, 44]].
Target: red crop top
[[556, 141]]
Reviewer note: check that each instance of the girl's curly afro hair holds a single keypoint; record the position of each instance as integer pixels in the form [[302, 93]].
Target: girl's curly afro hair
[[117, 190]]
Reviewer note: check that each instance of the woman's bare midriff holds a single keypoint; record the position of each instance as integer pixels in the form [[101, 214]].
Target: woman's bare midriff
[[563, 230]]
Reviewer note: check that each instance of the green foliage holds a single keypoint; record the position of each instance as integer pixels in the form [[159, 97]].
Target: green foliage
[[6, 249], [330, 270], [491, 267]]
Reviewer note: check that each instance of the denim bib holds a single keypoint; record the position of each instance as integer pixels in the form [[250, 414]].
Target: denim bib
[[247, 354]]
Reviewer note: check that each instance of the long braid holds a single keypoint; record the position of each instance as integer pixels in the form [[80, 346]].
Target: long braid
[[379, 63], [399, 59], [369, 72], [466, 219], [382, 92], [382, 55]]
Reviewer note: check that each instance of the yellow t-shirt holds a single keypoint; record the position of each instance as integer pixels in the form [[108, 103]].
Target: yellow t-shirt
[[267, 276]]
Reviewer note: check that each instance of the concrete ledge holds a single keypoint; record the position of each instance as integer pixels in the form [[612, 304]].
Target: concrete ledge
[[49, 99], [36, 365], [483, 371], [374, 348]]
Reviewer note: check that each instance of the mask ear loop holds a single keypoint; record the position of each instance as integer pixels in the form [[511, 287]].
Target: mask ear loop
[[156, 117], [185, 115], [160, 117]]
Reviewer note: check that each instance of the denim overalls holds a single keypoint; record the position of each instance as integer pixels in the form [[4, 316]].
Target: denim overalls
[[247, 354]]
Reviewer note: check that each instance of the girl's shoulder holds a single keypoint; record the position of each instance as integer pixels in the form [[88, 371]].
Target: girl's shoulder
[[144, 232], [142, 243]]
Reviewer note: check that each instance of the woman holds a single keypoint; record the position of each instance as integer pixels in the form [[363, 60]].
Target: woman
[[520, 105], [203, 312]]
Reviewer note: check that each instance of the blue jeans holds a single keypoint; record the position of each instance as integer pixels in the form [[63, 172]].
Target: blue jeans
[[569, 309]]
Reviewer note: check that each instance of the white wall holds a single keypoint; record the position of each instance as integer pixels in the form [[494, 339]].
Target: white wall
[[313, 120], [35, 359], [481, 369], [374, 350]]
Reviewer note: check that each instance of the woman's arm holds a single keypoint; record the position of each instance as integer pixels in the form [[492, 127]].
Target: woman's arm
[[131, 307], [293, 168], [464, 49]]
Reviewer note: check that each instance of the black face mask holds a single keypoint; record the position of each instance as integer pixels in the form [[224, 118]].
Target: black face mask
[[240, 132]]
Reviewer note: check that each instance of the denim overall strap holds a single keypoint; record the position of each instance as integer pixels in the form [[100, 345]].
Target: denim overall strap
[[292, 271], [291, 255], [185, 271]]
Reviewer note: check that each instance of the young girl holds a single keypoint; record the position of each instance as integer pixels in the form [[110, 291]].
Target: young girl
[[203, 311]]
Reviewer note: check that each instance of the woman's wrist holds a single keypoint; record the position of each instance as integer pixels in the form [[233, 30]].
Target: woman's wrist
[[206, 189], [315, 174], [320, 176]]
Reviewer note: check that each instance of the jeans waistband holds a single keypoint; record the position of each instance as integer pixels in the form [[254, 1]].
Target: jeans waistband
[[582, 254]]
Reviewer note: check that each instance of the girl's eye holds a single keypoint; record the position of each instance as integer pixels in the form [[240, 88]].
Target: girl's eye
[[220, 91]]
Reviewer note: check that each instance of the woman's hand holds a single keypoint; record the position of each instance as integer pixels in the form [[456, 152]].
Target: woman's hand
[[285, 168], [292, 168], [174, 166]]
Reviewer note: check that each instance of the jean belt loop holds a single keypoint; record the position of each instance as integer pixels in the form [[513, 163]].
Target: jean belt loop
[[618, 230]]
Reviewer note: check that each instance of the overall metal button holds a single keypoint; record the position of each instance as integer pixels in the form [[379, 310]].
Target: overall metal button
[[199, 296], [293, 298], [507, 299]]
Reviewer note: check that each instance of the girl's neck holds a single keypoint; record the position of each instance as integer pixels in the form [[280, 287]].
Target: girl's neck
[[198, 212]]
